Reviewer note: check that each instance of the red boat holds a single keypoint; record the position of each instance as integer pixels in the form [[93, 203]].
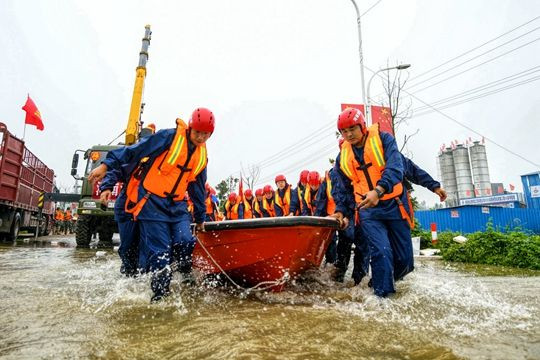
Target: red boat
[[263, 251]]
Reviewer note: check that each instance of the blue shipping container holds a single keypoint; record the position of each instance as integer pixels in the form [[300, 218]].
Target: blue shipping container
[[469, 219]]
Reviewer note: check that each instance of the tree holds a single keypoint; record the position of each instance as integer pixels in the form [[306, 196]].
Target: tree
[[254, 173], [224, 188], [400, 110]]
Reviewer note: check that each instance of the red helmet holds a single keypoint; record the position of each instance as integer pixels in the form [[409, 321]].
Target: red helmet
[[341, 141], [248, 193], [280, 177], [259, 192], [314, 178], [151, 126], [351, 117], [202, 119], [232, 197], [303, 176], [267, 189]]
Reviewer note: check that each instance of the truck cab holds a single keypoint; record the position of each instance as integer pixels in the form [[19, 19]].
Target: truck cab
[[92, 215]]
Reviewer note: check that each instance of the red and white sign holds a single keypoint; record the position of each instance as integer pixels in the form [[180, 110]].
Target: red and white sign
[[535, 191], [115, 191]]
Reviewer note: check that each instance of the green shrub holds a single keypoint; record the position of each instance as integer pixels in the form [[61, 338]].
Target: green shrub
[[493, 248]]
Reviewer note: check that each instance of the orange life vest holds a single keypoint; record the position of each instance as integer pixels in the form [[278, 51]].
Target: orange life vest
[[59, 215], [209, 205], [309, 201], [257, 208], [231, 211], [330, 204], [285, 202], [169, 174], [248, 212], [364, 177], [67, 215], [269, 207]]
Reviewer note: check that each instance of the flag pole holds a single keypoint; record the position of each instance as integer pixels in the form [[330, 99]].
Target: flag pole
[[24, 131]]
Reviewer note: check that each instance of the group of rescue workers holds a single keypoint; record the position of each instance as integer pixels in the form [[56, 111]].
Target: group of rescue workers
[[63, 221], [367, 191]]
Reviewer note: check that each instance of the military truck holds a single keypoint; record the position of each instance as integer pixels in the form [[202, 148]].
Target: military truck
[[93, 217]]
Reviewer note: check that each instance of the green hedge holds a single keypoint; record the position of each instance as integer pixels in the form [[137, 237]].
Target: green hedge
[[490, 247]]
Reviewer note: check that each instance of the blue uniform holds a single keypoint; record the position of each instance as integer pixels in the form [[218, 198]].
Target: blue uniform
[[127, 227], [164, 222], [382, 228]]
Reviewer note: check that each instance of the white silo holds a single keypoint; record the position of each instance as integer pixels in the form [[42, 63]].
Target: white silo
[[462, 166], [480, 169], [448, 176]]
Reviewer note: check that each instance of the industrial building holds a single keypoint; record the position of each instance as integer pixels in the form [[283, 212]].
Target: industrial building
[[473, 201], [464, 174]]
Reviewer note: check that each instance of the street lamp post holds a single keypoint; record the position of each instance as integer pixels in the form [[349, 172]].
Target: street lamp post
[[361, 54], [369, 116]]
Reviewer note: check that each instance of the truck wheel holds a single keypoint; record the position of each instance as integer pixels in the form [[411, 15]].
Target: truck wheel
[[105, 235], [83, 235], [14, 231]]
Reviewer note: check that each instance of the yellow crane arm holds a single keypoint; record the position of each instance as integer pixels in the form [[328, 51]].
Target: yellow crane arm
[[133, 126]]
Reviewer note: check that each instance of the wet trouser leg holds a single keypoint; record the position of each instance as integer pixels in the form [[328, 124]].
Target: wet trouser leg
[[331, 250], [376, 232], [157, 237], [399, 234], [183, 244], [343, 251], [129, 246], [361, 255]]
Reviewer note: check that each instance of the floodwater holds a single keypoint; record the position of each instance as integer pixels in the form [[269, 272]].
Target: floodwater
[[61, 302]]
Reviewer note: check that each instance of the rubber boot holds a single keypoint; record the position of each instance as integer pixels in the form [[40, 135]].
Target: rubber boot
[[161, 281]]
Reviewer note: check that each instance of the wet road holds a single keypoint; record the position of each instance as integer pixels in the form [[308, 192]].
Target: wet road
[[62, 302]]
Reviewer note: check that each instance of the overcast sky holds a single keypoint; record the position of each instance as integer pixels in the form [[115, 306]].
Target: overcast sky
[[274, 73]]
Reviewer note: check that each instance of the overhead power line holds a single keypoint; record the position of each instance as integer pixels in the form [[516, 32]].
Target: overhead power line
[[478, 65], [476, 48], [463, 101], [477, 56], [477, 89]]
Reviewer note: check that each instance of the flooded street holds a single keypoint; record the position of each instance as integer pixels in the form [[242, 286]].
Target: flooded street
[[63, 302]]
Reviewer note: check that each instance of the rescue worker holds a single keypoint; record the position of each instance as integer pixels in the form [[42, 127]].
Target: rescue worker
[[58, 220], [282, 199], [211, 205], [148, 130], [258, 204], [248, 201], [309, 202], [156, 195], [68, 218], [268, 208], [234, 209], [298, 194], [370, 172]]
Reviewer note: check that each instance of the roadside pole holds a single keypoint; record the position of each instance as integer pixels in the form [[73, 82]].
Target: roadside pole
[[41, 201]]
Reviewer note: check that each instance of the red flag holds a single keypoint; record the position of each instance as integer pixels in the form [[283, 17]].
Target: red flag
[[381, 115], [33, 117], [241, 190], [356, 106], [512, 187]]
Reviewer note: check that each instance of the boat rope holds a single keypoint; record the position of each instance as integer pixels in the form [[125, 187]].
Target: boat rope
[[262, 286]]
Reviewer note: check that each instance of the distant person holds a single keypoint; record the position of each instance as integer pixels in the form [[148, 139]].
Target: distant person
[[282, 199]]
